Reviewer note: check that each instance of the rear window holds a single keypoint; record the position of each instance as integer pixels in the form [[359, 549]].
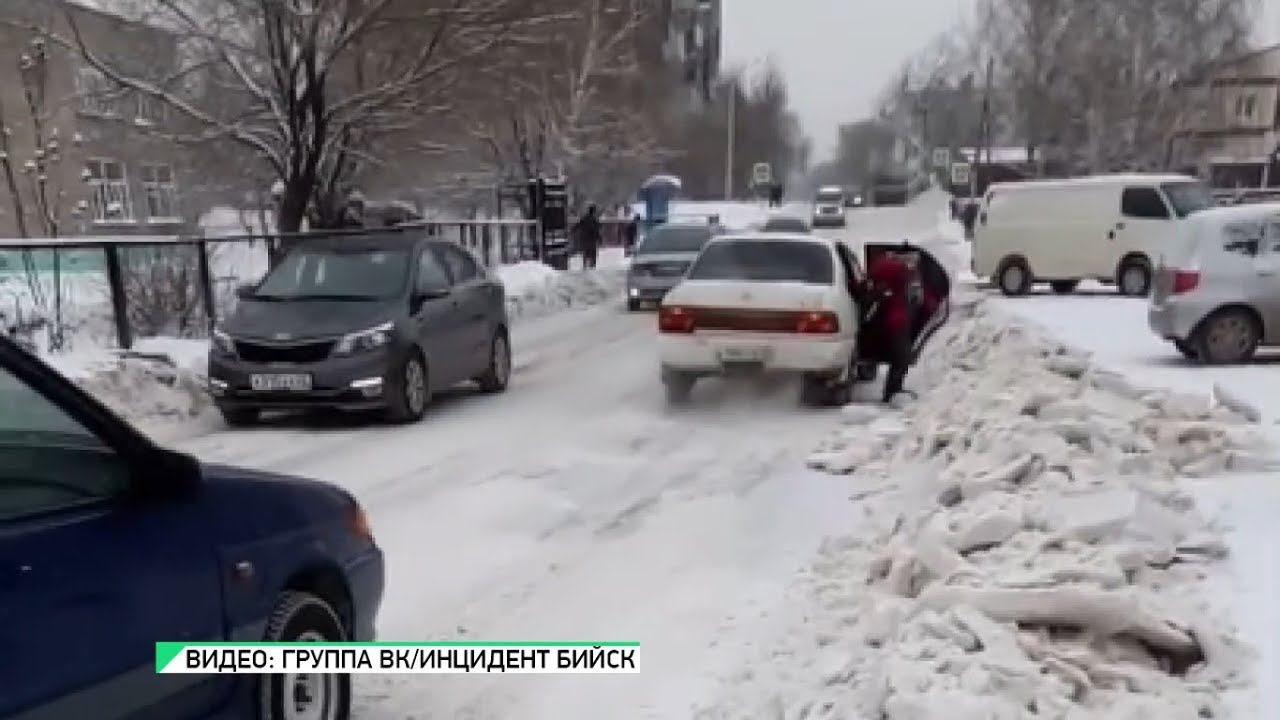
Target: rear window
[[669, 239], [830, 197], [765, 261], [1188, 197]]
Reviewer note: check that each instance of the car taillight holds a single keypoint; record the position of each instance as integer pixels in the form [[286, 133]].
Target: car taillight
[[818, 323], [1184, 281], [674, 319]]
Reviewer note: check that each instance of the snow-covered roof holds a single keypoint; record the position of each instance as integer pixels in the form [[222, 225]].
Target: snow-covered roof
[[1096, 180], [1001, 155]]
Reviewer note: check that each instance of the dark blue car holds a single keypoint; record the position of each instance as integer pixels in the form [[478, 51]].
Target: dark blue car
[[109, 543]]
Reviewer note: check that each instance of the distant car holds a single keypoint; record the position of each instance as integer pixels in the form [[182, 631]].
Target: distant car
[[785, 224], [1216, 292], [829, 207], [765, 303], [890, 189], [853, 198], [370, 322], [662, 258], [112, 544]]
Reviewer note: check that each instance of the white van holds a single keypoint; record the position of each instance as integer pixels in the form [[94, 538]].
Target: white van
[[1106, 227]]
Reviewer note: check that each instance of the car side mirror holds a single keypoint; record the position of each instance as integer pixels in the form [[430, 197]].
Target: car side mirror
[[165, 475], [246, 292]]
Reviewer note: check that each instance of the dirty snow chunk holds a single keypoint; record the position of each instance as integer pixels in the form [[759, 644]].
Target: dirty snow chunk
[[1033, 551], [141, 389], [1225, 398]]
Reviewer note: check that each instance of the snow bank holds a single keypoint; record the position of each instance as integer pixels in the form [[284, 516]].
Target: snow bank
[[146, 387], [535, 290], [1034, 553]]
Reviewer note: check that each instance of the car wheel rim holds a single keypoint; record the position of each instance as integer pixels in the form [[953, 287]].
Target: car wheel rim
[[415, 386], [310, 696], [1230, 338], [1134, 281], [1013, 278], [501, 360]]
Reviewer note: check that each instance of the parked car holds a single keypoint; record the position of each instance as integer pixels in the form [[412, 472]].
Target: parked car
[[829, 207], [1109, 228], [780, 223], [111, 543], [854, 197], [370, 322], [1217, 289], [781, 304], [662, 258]]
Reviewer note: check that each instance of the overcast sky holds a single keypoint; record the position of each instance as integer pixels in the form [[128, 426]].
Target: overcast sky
[[838, 55]]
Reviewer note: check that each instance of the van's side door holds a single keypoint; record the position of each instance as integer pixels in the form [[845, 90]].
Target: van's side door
[[1145, 224], [1266, 291]]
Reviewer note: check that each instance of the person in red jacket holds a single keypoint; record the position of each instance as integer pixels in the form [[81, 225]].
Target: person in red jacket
[[890, 277]]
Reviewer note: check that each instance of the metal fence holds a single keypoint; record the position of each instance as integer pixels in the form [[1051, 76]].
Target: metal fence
[[181, 285]]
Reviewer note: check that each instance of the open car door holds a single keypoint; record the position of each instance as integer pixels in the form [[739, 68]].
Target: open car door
[[932, 281]]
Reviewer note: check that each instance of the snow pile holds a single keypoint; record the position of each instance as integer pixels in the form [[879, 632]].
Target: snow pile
[[147, 388], [534, 289], [1029, 552]]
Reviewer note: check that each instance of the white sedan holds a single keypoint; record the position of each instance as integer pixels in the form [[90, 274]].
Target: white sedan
[[766, 303]]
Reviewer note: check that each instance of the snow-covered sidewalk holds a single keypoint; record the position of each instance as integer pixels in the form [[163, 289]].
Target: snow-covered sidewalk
[[1030, 549]]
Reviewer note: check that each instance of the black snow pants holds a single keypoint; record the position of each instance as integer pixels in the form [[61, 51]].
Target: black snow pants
[[899, 347], [589, 253]]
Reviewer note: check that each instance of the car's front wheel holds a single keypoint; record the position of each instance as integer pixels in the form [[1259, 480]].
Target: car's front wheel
[[303, 617], [498, 374], [411, 391]]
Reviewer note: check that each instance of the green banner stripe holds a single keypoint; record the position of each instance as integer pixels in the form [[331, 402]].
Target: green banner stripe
[[166, 652]]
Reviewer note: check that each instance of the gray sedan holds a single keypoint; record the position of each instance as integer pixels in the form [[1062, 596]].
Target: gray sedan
[[661, 259], [376, 322]]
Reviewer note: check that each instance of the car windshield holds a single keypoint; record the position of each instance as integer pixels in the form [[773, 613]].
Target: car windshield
[[672, 239], [337, 274], [1188, 197], [765, 261]]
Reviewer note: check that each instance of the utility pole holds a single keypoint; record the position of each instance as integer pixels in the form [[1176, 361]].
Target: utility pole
[[732, 130], [984, 131]]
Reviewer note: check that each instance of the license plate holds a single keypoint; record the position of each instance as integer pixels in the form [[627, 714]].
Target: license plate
[[290, 382], [743, 354]]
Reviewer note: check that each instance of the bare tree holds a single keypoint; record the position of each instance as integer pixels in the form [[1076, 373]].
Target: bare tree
[[317, 90]]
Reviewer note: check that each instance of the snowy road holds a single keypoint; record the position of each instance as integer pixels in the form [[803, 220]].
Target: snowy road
[[579, 507]]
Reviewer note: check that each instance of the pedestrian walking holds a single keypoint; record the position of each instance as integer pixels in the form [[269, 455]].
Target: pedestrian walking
[[632, 233], [588, 233], [890, 277]]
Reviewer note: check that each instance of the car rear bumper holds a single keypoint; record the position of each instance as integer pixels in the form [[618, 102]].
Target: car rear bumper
[[356, 382], [828, 221], [703, 354], [366, 579], [1171, 320]]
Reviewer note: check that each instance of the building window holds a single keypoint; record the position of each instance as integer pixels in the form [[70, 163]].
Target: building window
[[97, 95], [148, 112], [161, 193], [109, 191], [1246, 106]]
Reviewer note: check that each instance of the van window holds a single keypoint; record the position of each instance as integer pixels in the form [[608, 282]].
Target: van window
[[1273, 236], [1143, 203], [1188, 197]]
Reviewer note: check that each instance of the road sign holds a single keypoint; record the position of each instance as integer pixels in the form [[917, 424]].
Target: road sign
[[762, 174], [941, 157], [960, 174]]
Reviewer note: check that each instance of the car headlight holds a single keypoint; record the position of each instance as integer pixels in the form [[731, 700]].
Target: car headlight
[[364, 340], [222, 342]]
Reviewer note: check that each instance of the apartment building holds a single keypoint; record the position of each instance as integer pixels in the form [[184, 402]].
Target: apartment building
[[100, 153], [1230, 134]]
